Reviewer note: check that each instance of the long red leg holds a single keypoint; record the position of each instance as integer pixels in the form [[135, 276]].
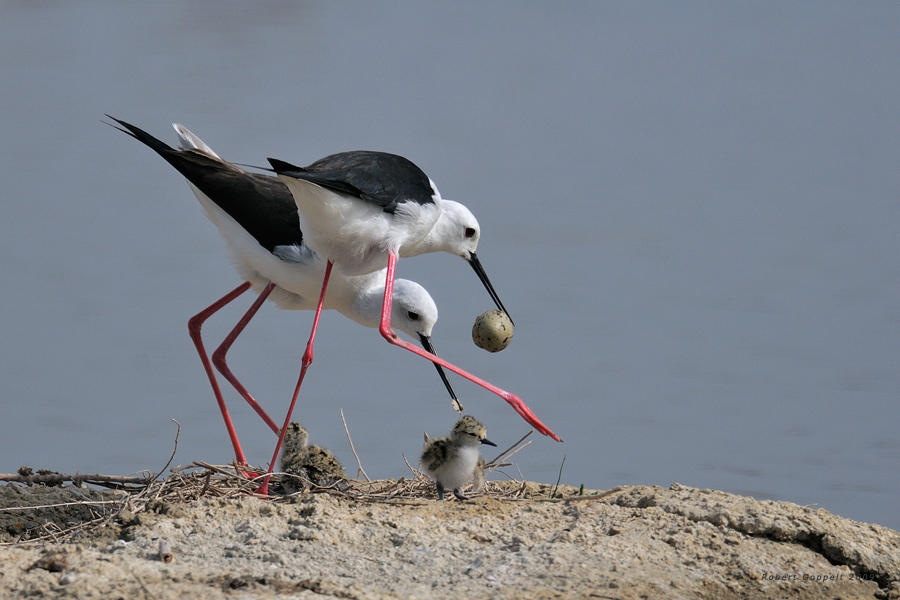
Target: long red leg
[[218, 357], [389, 335], [304, 365], [194, 325]]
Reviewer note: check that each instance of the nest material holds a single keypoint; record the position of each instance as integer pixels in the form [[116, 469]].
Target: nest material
[[80, 510]]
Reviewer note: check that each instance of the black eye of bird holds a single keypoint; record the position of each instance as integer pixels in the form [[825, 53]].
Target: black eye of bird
[[469, 232], [412, 316]]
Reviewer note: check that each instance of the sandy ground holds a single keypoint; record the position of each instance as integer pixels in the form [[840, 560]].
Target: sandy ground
[[631, 542]]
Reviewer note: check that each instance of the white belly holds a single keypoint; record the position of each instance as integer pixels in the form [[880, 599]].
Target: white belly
[[355, 234], [459, 471]]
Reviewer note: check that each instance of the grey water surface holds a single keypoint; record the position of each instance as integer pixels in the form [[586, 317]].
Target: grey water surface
[[691, 211]]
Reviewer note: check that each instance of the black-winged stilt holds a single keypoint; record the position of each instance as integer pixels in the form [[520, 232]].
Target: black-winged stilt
[[363, 210], [258, 219]]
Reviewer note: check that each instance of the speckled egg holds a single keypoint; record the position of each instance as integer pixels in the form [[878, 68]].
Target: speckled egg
[[493, 331]]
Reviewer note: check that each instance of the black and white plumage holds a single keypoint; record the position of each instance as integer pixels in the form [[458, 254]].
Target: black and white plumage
[[258, 219], [363, 210], [361, 207], [357, 208], [360, 174]]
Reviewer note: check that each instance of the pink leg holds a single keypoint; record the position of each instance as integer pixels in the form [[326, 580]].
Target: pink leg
[[194, 325], [218, 357], [389, 335], [304, 365]]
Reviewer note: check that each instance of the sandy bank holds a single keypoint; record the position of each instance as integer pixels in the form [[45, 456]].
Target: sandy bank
[[631, 542]]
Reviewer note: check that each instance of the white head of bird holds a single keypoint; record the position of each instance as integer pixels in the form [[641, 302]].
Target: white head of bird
[[413, 310], [456, 231]]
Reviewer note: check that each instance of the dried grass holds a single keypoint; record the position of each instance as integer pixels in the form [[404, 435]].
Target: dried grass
[[186, 485]]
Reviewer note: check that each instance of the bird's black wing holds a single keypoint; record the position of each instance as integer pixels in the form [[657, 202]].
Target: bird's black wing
[[261, 204], [383, 179]]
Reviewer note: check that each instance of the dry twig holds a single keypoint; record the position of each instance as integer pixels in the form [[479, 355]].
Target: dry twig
[[109, 481], [358, 463], [174, 450], [203, 480]]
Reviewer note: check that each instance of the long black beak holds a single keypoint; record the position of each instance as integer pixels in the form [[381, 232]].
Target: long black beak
[[426, 343], [479, 270], [488, 442]]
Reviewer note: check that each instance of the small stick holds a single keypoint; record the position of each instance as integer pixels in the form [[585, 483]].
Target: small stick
[[50, 533], [245, 472], [414, 472], [206, 483], [492, 466], [79, 503], [174, 450], [59, 478], [558, 479], [502, 454], [220, 469], [358, 463], [508, 476], [165, 552]]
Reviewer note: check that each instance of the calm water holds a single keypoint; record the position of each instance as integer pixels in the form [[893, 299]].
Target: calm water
[[692, 216]]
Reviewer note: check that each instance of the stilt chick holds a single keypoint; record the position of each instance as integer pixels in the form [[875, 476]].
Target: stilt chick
[[318, 465], [453, 461]]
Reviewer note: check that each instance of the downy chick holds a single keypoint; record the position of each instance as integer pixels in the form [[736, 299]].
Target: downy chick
[[453, 461]]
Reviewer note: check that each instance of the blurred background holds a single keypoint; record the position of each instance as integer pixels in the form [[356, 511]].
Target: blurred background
[[690, 210]]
